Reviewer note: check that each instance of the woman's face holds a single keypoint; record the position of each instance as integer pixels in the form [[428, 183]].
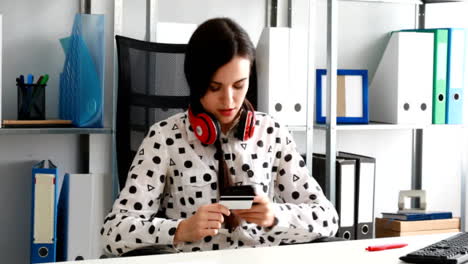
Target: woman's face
[[227, 91]]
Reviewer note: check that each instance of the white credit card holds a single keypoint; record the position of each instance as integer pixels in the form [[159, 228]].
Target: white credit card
[[236, 202]]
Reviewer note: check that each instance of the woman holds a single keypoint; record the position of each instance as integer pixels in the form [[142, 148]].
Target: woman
[[187, 160]]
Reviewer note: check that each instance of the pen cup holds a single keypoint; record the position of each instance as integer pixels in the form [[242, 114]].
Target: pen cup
[[31, 101]]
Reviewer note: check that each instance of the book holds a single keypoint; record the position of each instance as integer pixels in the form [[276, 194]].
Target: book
[[393, 228], [417, 216], [413, 226]]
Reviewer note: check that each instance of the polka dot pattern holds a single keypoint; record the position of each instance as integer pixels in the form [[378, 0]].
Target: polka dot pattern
[[176, 174]]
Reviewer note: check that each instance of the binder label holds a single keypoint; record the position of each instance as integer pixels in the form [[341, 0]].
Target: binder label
[[44, 208]]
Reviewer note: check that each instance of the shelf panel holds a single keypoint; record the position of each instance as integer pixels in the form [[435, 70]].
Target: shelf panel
[[29, 131], [384, 126], [413, 2], [296, 128]]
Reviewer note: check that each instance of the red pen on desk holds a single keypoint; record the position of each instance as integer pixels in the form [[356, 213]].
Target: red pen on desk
[[385, 247]]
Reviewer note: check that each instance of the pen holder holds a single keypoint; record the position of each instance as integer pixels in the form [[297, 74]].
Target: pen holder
[[31, 101]]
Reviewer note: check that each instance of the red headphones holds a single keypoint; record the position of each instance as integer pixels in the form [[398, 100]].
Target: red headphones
[[207, 129]]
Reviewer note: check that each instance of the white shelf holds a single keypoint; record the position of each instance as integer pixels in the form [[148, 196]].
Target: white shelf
[[297, 128], [384, 126], [413, 2], [29, 131]]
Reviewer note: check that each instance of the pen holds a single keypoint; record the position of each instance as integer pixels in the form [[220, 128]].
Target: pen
[[385, 247]]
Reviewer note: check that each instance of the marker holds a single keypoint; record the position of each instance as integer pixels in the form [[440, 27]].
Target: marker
[[385, 247], [45, 79]]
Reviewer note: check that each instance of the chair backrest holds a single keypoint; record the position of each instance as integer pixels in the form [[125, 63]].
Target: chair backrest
[[151, 88]]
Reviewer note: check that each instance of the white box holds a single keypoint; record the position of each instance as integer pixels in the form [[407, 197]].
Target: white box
[[401, 90], [82, 210], [282, 75]]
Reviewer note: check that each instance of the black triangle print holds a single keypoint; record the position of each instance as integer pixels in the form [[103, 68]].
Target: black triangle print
[[269, 149], [288, 141], [142, 152], [109, 231], [201, 157], [150, 188], [244, 145], [171, 163], [296, 178], [175, 127]]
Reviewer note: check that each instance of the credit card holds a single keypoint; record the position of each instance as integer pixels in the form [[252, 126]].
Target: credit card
[[237, 197]]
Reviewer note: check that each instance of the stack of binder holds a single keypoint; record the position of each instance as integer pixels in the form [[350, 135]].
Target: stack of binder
[[420, 78], [392, 228], [355, 184], [282, 75]]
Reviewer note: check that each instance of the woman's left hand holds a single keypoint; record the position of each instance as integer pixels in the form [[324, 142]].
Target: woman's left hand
[[261, 212]]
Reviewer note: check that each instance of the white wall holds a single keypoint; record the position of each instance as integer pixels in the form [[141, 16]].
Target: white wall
[[249, 14]]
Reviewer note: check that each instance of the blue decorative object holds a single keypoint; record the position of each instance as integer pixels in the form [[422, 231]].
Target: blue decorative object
[[351, 118], [82, 79]]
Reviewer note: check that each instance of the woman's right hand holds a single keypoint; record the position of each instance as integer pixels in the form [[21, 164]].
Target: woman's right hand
[[205, 222]]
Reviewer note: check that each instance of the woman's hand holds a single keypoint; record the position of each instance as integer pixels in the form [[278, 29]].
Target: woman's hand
[[205, 222], [261, 212]]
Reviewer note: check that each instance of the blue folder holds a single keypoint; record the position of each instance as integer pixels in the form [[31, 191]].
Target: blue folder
[[417, 216], [455, 75], [44, 213]]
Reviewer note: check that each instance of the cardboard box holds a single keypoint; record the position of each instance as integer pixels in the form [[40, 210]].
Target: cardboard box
[[391, 228]]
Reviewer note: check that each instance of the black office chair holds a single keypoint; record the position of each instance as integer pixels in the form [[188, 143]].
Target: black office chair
[[151, 87]]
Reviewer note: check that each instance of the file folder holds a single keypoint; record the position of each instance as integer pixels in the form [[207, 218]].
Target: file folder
[[345, 191], [44, 213], [81, 204], [401, 90], [282, 75], [439, 83], [456, 75], [365, 189]]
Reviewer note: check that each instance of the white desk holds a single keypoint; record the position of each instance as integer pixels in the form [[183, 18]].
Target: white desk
[[329, 252]]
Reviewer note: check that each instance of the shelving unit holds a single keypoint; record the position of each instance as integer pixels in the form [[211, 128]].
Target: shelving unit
[[331, 127]]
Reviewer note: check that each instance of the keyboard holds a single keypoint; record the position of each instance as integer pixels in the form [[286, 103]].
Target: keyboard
[[450, 250]]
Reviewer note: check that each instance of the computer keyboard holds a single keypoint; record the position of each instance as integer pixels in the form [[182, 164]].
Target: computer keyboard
[[450, 250]]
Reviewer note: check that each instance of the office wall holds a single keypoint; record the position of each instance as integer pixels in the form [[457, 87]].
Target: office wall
[[250, 14]]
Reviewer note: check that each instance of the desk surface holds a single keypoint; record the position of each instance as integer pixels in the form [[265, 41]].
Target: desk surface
[[329, 252]]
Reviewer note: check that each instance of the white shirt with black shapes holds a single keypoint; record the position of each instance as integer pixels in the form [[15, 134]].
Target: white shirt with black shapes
[[175, 172]]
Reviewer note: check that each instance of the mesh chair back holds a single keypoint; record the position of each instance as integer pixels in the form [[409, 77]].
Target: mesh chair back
[[151, 88]]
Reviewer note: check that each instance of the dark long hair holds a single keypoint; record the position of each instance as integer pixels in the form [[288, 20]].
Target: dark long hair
[[213, 44]]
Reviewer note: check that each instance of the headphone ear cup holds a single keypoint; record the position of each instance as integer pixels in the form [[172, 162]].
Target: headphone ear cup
[[206, 129], [246, 125], [251, 127]]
